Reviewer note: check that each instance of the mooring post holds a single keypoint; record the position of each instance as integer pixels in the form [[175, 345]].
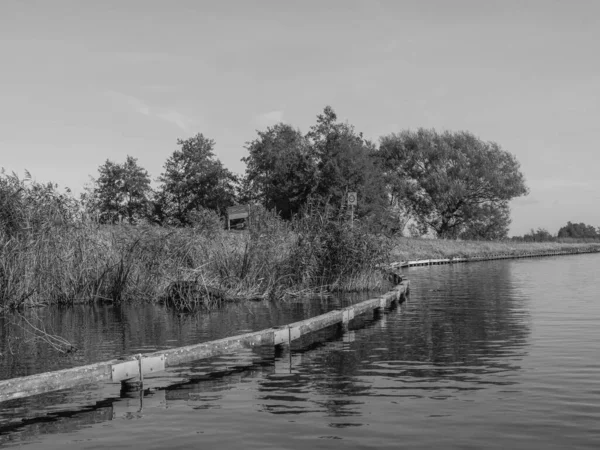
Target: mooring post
[[139, 357], [347, 316]]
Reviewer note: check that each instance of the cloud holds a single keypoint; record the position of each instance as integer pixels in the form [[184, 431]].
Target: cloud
[[169, 115], [176, 118], [130, 101], [269, 118]]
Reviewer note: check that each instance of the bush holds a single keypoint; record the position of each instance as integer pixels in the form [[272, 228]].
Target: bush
[[331, 251]]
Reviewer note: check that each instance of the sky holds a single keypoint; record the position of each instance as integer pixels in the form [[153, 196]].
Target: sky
[[85, 81]]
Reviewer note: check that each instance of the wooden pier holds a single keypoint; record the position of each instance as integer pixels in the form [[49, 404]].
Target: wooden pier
[[140, 365]]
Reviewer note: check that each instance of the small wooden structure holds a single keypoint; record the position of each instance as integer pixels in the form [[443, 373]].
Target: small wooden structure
[[237, 212]]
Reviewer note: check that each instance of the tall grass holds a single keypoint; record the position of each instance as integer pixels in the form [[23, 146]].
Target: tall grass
[[51, 254], [66, 262]]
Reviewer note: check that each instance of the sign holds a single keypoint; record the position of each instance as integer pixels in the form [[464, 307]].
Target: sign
[[352, 199], [238, 212]]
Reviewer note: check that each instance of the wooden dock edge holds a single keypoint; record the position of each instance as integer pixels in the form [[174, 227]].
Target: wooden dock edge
[[431, 262], [21, 387]]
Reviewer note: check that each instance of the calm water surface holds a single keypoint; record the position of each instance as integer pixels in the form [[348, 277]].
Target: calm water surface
[[486, 355]]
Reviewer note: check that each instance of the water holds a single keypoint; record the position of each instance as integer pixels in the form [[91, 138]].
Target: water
[[485, 355], [104, 332]]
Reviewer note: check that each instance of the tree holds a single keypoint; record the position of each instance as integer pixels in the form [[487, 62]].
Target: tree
[[281, 171], [285, 168], [578, 231], [194, 179], [121, 191], [539, 235], [346, 162], [488, 222], [449, 180]]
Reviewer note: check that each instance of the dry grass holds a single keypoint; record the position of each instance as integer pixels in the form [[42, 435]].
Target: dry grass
[[186, 267]]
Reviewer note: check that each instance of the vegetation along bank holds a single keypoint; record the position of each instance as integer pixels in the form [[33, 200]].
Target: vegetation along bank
[[125, 240]]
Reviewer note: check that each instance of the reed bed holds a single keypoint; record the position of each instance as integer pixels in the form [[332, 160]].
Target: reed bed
[[51, 254], [75, 262]]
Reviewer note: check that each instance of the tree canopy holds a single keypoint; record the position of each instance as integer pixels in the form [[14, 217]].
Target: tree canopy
[[579, 231], [450, 181], [193, 179], [281, 171], [285, 168], [121, 191], [346, 162]]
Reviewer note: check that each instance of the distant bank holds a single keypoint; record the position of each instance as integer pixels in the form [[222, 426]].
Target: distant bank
[[433, 250]]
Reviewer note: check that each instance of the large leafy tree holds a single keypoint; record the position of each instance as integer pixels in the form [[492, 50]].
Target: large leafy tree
[[281, 170], [450, 181], [285, 168], [121, 191], [346, 163], [194, 179]]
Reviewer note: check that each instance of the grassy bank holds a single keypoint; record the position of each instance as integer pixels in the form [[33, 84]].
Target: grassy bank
[[65, 263], [407, 249]]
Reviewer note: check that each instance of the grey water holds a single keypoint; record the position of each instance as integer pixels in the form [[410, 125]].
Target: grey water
[[499, 354]]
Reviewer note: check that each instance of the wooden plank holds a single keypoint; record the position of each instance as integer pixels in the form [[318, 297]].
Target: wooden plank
[[153, 364], [439, 261], [180, 355], [281, 335], [54, 381], [238, 209], [238, 216], [125, 370], [117, 370]]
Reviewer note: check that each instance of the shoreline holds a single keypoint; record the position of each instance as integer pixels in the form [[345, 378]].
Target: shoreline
[[455, 260], [410, 252]]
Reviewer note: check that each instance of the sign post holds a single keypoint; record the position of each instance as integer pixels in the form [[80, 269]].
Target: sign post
[[352, 202]]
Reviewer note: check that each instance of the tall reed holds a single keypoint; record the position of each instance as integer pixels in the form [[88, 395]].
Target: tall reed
[[80, 261]]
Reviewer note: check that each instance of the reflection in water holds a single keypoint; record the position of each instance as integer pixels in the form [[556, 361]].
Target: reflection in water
[[102, 332], [473, 359]]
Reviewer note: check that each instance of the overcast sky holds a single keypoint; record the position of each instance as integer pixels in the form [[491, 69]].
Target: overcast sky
[[85, 81]]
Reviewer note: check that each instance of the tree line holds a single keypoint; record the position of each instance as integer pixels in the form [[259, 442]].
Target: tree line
[[450, 184]]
